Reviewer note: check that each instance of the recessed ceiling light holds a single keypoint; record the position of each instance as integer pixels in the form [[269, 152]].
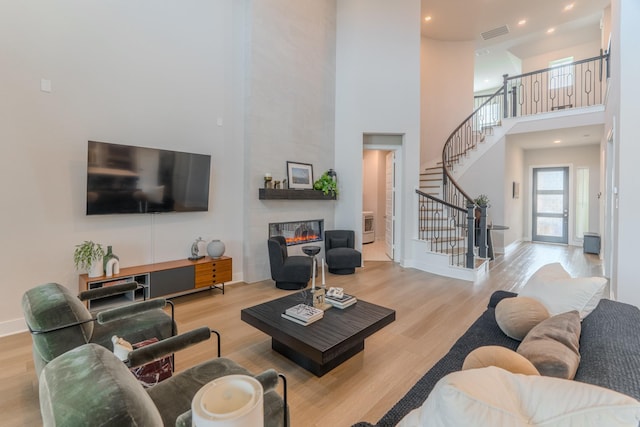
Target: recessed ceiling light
[[427, 18], [568, 7], [522, 22], [551, 30], [486, 80], [557, 141]]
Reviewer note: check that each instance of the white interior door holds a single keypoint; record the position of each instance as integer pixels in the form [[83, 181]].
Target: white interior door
[[389, 215]]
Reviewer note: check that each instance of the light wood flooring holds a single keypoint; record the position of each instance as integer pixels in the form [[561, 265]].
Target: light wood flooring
[[431, 313]]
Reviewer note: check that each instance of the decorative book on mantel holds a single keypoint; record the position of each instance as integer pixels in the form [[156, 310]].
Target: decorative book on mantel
[[303, 314], [343, 301]]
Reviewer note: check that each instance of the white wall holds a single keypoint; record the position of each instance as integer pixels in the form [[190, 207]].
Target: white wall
[[487, 176], [446, 96], [290, 101], [513, 208], [623, 111], [141, 73], [377, 91], [579, 52]]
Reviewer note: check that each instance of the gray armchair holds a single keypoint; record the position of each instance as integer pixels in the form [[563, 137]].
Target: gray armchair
[[289, 272], [339, 250], [59, 321]]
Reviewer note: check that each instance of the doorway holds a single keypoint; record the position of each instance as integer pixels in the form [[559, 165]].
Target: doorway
[[380, 174], [550, 207]]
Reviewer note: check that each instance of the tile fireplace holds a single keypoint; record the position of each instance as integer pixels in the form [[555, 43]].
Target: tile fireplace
[[298, 232]]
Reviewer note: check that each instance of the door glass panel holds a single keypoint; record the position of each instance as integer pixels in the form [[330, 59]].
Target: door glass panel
[[552, 180], [551, 227], [550, 203]]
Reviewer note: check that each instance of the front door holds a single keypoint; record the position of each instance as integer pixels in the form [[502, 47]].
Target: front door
[[550, 216]]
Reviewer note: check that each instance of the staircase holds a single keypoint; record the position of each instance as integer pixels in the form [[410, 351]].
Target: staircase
[[445, 242], [431, 181]]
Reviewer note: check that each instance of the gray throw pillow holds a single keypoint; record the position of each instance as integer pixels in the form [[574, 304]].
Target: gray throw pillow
[[553, 345]]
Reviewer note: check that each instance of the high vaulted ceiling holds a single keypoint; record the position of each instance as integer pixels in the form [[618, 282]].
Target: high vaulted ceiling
[[467, 20]]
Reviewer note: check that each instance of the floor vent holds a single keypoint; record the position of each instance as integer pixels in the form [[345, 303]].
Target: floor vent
[[496, 32]]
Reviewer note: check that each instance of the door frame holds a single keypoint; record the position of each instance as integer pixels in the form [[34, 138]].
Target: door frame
[[570, 231], [399, 195]]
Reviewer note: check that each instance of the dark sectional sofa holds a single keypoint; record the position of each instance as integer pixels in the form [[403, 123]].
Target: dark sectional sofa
[[609, 353]]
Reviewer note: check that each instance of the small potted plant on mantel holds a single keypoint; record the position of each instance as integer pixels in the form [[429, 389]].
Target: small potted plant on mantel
[[88, 256], [326, 184]]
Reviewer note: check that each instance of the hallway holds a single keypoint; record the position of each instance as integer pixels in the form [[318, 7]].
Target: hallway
[[375, 251]]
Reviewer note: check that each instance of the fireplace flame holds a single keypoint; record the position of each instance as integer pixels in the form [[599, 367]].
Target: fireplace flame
[[302, 239]]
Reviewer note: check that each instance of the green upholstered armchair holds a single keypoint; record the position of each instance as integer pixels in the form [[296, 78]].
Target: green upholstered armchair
[[89, 385], [59, 321]]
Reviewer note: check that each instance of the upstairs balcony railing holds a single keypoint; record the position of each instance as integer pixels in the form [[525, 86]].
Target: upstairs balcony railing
[[574, 85]]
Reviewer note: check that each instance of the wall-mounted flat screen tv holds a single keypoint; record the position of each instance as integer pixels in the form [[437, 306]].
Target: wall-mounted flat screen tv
[[123, 179]]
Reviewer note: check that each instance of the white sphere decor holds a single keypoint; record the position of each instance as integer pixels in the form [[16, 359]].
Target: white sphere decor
[[215, 248]]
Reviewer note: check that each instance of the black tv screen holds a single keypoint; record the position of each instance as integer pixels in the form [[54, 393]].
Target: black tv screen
[[128, 179]]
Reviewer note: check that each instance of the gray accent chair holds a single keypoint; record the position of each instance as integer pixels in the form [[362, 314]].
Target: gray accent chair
[[89, 385], [339, 250], [59, 321], [289, 272]]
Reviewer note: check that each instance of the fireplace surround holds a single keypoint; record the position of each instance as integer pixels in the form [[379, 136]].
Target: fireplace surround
[[298, 232]]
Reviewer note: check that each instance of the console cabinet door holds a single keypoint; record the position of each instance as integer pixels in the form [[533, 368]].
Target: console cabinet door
[[214, 272], [166, 282]]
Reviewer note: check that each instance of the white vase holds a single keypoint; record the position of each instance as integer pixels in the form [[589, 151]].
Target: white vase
[[96, 268], [215, 248]]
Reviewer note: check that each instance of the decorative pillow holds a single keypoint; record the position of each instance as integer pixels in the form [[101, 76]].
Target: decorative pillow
[[339, 242], [559, 292], [517, 316], [502, 357], [553, 346], [551, 271], [494, 397]]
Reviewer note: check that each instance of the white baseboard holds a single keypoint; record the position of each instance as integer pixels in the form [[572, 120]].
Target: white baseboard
[[12, 327]]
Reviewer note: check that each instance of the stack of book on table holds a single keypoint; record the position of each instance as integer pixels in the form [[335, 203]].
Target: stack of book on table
[[343, 301], [303, 314]]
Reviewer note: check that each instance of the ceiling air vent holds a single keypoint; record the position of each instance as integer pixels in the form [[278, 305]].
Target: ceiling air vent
[[496, 32]]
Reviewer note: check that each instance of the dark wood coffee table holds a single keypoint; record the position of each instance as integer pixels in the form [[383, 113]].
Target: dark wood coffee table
[[324, 344]]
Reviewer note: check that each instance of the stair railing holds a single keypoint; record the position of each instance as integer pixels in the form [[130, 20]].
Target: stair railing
[[464, 138], [447, 227]]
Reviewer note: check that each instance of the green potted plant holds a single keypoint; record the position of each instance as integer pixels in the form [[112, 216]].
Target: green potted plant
[[482, 200], [326, 184], [88, 256]]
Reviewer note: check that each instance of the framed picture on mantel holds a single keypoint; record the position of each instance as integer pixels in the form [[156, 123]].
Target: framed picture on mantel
[[300, 175]]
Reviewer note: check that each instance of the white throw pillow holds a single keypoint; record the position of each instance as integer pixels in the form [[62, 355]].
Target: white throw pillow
[[559, 292], [494, 397]]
